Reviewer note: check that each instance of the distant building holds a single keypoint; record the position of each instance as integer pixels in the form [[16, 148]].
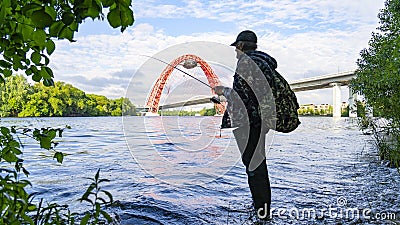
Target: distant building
[[320, 109], [344, 106]]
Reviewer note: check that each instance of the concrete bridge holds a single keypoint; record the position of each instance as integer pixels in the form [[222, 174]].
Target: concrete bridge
[[334, 81]]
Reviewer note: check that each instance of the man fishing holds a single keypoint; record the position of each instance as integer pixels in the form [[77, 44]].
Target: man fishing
[[250, 110]]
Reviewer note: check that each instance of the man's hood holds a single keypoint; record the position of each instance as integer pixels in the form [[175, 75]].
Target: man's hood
[[258, 55]]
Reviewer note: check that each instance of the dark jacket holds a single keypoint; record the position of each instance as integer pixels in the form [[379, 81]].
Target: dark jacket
[[250, 101]]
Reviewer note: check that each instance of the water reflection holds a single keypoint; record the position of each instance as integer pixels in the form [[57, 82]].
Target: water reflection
[[310, 168]]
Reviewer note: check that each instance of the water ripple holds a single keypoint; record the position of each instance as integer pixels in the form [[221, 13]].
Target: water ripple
[[323, 160]]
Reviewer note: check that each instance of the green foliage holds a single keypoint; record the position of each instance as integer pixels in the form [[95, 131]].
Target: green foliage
[[345, 112], [19, 98], [28, 28], [203, 112], [13, 96], [53, 214], [15, 202], [378, 74], [16, 205], [310, 110], [208, 112], [95, 196], [178, 113], [60, 214]]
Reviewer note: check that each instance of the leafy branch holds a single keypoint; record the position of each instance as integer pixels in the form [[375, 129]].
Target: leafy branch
[[94, 195], [28, 27], [16, 205]]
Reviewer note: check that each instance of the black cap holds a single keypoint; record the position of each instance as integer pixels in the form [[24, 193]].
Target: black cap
[[246, 35]]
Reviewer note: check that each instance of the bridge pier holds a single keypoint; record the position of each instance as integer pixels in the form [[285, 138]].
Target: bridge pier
[[352, 103], [337, 103]]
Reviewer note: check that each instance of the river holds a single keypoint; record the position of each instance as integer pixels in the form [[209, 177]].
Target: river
[[181, 170]]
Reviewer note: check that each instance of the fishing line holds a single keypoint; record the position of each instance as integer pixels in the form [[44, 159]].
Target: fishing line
[[175, 67], [214, 99]]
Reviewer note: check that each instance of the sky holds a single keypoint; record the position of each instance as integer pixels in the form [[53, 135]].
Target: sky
[[308, 38]]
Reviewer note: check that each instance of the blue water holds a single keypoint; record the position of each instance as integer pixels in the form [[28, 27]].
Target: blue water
[[179, 170]]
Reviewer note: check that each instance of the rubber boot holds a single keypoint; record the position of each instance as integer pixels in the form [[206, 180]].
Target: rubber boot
[[260, 190]]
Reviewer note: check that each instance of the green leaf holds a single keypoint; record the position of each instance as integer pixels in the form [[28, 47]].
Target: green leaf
[[16, 151], [39, 36], [85, 219], [36, 77], [55, 28], [106, 215], [4, 64], [9, 156], [30, 8], [44, 73], [59, 156], [107, 3], [86, 3], [45, 143], [26, 31], [51, 12], [2, 80], [109, 195], [104, 180], [49, 71], [50, 47], [32, 207], [14, 144], [67, 18], [114, 18], [46, 59], [97, 207], [51, 134], [126, 17], [103, 201], [27, 219], [66, 33], [5, 6], [41, 18], [25, 171], [74, 26], [125, 3], [88, 191], [7, 72], [4, 131], [96, 177], [93, 11], [48, 82], [17, 63], [35, 57]]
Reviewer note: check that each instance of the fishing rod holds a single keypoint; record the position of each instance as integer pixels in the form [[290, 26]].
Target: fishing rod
[[214, 99], [175, 67]]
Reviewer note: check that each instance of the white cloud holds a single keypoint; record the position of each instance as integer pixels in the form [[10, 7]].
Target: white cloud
[[317, 37], [260, 13]]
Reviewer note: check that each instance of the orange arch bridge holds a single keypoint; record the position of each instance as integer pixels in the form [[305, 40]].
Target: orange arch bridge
[[153, 99]]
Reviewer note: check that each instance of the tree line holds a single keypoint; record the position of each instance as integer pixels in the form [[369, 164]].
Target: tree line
[[18, 98], [378, 79], [202, 112]]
